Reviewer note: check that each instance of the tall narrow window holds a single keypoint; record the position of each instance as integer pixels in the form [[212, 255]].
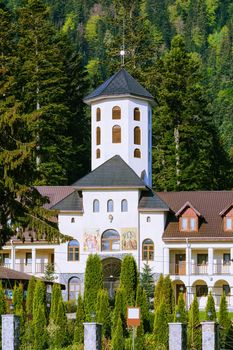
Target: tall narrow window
[[124, 205], [137, 153], [98, 153], [148, 250], [98, 114], [73, 250], [116, 134], [137, 136], [98, 136], [96, 206], [110, 205], [116, 113], [136, 114]]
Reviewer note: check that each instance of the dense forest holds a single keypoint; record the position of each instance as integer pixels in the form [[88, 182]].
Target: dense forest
[[53, 52]]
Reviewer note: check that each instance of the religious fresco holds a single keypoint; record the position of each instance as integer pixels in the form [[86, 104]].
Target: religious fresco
[[129, 238], [91, 241]]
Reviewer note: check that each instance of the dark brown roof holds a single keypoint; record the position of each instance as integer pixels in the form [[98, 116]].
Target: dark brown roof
[[54, 193], [209, 205]]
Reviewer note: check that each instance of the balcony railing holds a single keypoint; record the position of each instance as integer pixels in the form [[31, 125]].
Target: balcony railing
[[6, 264], [199, 269], [27, 268], [221, 269]]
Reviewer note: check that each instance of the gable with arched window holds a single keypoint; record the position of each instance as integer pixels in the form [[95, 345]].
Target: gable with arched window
[[73, 250], [110, 206], [74, 287], [137, 153], [110, 241], [116, 134], [96, 206], [116, 112], [98, 135], [136, 114], [148, 250], [124, 205], [137, 135], [98, 114]]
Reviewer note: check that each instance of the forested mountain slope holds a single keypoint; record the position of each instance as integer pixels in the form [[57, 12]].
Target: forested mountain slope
[[181, 50]]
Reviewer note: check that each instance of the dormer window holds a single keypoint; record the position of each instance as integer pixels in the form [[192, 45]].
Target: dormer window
[[227, 215], [188, 218]]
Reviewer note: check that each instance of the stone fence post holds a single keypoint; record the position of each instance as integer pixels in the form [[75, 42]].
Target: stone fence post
[[177, 336], [92, 336], [10, 332], [210, 335]]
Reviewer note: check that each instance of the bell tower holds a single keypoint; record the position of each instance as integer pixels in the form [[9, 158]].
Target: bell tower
[[121, 122]]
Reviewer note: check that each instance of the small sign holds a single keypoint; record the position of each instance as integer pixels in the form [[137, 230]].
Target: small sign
[[133, 316]]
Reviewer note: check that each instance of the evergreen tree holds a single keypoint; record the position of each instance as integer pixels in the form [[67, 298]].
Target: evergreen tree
[[49, 274], [161, 326], [40, 332], [103, 312], [39, 298], [194, 330], [117, 342], [180, 311], [210, 312], [119, 308], [224, 321], [79, 330], [30, 296], [18, 302], [55, 299], [142, 302], [158, 292], [61, 334], [3, 306], [168, 297], [129, 279], [147, 282], [183, 128], [92, 284]]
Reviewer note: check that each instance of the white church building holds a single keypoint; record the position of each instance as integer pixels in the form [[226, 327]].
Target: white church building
[[113, 211]]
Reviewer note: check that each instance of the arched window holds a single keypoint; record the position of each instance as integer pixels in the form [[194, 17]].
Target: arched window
[[137, 153], [98, 136], [110, 206], [73, 250], [116, 113], [98, 114], [74, 287], [98, 153], [148, 250], [137, 136], [72, 220], [136, 115], [116, 134], [110, 241], [148, 219], [124, 205], [96, 206]]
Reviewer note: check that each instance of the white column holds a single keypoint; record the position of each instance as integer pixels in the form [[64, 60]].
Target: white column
[[231, 267], [33, 260], [166, 261], [12, 257], [210, 261], [188, 272]]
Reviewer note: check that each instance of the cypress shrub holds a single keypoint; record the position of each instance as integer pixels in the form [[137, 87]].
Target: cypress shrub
[[119, 309], [61, 338], [117, 342], [147, 282], [18, 300], [103, 312], [210, 312], [55, 299], [79, 330], [93, 283], [224, 321], [168, 296], [194, 329], [181, 310], [161, 326], [129, 279], [39, 297], [158, 292], [30, 295], [40, 331], [142, 302]]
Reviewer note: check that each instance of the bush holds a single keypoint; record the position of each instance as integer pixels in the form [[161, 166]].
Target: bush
[[71, 306]]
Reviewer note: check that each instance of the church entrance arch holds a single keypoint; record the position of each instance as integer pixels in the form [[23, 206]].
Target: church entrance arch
[[111, 274]]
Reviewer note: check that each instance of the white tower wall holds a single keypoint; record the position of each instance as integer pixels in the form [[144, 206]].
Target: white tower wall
[[126, 148]]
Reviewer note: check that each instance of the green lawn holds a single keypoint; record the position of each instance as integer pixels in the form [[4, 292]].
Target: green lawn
[[202, 315]]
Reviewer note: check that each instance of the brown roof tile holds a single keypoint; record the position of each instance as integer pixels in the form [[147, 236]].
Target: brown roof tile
[[209, 205]]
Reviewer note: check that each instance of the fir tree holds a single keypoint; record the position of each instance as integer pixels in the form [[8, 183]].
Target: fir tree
[[117, 342], [103, 311], [224, 321], [79, 330], [129, 279], [180, 311], [92, 284], [49, 274], [147, 282], [194, 327], [210, 312], [30, 296]]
